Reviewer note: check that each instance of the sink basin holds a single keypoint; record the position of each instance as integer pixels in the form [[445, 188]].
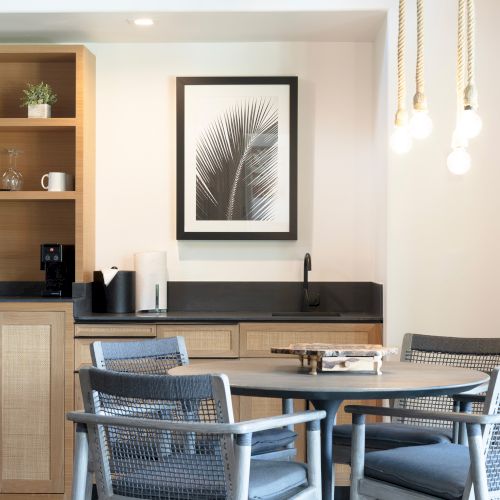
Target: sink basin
[[306, 313]]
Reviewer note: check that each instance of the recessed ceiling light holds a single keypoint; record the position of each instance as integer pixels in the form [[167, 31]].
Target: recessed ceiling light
[[143, 21]]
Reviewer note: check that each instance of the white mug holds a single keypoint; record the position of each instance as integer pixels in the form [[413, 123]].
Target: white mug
[[58, 181]]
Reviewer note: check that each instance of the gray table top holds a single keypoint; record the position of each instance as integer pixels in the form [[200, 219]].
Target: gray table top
[[274, 377]]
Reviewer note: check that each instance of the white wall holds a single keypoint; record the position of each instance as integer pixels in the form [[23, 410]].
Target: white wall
[[339, 197], [443, 241]]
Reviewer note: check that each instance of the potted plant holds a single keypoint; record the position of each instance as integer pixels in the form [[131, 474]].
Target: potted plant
[[38, 97]]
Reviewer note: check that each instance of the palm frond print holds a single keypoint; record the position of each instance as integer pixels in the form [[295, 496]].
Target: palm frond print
[[237, 163]]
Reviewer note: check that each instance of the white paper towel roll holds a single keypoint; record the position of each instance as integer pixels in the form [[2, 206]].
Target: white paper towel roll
[[151, 273]]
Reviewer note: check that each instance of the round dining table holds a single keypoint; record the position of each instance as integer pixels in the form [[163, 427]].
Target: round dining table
[[285, 378]]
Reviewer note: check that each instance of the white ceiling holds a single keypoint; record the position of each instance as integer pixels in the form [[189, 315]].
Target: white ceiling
[[190, 26]]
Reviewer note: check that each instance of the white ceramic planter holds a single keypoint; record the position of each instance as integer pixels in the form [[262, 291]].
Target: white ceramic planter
[[38, 110]]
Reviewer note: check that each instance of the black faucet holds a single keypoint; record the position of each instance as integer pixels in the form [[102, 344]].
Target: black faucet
[[309, 300]]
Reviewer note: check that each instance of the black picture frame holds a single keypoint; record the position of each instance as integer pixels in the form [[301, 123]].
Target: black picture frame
[[261, 205]]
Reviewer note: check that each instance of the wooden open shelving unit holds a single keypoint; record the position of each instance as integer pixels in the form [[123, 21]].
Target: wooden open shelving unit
[[64, 143]]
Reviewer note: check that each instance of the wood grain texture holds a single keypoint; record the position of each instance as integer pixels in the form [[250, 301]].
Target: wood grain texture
[[63, 143], [43, 151], [24, 225], [37, 195], [205, 341], [14, 75], [85, 165], [37, 124]]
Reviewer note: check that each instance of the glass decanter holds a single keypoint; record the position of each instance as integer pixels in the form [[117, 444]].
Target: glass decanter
[[12, 179]]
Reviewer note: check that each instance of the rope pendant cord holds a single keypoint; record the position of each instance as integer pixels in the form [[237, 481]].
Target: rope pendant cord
[[419, 100], [470, 94], [459, 161], [401, 114], [460, 56]]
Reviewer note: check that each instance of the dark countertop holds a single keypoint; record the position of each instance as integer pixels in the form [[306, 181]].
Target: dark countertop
[[226, 302], [225, 317]]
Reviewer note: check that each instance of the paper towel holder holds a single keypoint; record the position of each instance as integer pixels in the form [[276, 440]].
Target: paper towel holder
[[151, 282]]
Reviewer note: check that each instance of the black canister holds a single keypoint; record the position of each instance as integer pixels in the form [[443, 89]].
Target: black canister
[[116, 297]]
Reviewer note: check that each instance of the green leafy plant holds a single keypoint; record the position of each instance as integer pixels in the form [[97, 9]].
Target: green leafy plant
[[38, 93]]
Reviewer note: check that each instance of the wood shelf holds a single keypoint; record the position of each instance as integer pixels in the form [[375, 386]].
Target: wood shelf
[[37, 195], [63, 143], [37, 123]]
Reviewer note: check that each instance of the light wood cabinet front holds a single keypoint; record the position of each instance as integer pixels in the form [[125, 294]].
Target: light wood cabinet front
[[205, 341], [32, 402], [112, 330], [256, 339]]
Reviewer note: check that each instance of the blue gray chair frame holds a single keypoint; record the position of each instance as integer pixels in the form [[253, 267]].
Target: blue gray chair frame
[[175, 437], [374, 475], [158, 356], [481, 354]]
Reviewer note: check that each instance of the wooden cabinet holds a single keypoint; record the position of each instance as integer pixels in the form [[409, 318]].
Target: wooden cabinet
[[114, 330], [206, 341], [32, 402], [64, 143], [256, 339], [251, 340]]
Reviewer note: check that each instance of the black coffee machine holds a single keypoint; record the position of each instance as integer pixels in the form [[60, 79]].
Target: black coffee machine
[[58, 261]]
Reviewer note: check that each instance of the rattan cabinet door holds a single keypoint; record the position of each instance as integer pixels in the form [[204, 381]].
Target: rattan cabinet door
[[32, 402], [205, 341]]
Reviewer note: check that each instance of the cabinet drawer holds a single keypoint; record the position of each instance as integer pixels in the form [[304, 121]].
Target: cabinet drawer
[[258, 338], [205, 341], [115, 330], [82, 349]]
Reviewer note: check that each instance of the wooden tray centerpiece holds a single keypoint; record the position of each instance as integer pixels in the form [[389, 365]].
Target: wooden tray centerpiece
[[366, 358]]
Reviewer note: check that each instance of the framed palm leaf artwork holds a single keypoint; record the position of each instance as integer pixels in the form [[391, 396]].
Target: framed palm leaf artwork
[[237, 158]]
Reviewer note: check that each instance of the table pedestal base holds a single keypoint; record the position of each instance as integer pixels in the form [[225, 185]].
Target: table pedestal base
[[327, 474]]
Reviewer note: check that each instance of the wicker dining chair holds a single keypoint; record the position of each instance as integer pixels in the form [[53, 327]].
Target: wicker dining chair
[[173, 437], [437, 471], [157, 356], [481, 354]]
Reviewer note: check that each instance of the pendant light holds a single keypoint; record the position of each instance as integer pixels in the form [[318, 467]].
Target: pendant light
[[420, 123], [459, 160], [401, 139]]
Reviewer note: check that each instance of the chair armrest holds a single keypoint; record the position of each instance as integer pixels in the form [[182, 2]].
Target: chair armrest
[[466, 418], [245, 427]]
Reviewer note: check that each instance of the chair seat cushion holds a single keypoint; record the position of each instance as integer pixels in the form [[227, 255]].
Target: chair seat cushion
[[197, 476], [274, 479], [271, 440], [384, 436], [439, 469]]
